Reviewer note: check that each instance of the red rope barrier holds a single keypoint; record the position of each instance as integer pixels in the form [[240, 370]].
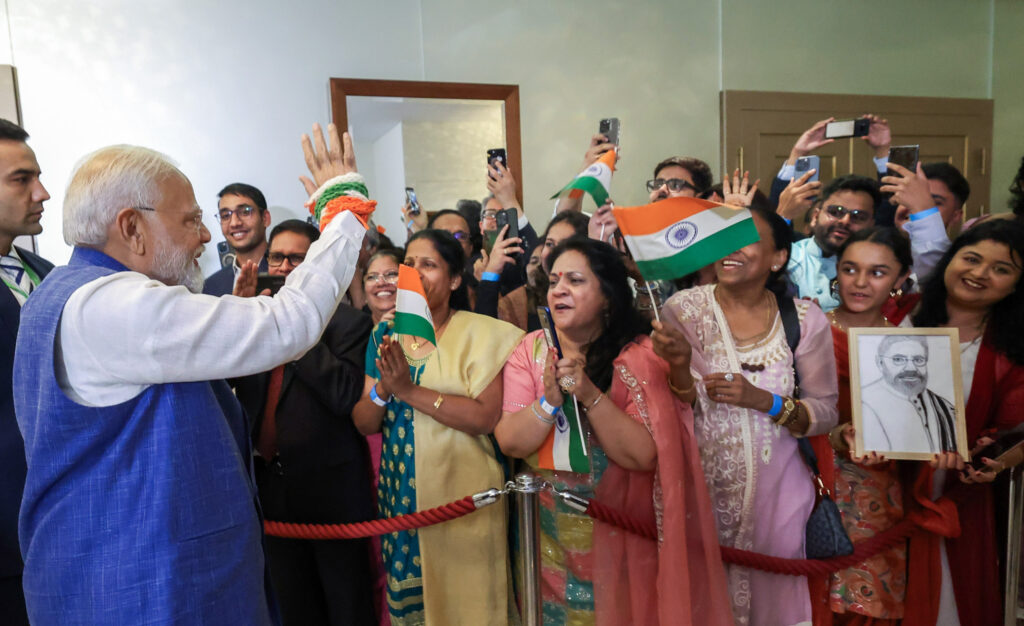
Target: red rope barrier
[[419, 519], [862, 551]]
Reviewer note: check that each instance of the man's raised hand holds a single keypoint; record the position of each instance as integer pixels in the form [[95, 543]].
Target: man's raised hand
[[325, 162]]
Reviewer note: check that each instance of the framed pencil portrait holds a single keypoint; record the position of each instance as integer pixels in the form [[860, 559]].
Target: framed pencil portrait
[[906, 392]]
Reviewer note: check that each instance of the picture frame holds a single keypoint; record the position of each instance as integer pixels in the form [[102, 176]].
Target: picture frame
[[906, 392]]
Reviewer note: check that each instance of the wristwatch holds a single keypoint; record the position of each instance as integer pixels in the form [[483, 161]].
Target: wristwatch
[[788, 411]]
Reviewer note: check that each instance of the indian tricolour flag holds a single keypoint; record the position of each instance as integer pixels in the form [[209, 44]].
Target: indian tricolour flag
[[412, 315], [565, 449], [595, 180], [676, 236]]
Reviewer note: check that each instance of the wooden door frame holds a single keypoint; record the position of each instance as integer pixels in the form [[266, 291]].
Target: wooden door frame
[[341, 88]]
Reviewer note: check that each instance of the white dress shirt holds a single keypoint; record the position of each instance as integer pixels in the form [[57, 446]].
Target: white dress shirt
[[122, 333]]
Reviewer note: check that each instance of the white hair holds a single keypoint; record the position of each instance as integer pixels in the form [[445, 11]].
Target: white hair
[[107, 181]]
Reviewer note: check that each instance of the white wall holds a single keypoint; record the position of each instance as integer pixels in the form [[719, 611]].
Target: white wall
[[227, 87], [388, 186]]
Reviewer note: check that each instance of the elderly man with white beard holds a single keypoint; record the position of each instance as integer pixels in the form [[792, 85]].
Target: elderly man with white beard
[[900, 412], [139, 505]]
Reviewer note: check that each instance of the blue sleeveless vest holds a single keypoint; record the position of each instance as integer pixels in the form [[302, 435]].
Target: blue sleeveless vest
[[141, 512]]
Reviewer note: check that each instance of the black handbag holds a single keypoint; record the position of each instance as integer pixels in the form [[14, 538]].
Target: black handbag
[[825, 536]]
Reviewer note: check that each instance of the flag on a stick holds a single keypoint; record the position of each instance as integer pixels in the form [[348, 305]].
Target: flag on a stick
[[676, 236], [564, 449], [412, 314], [595, 180]]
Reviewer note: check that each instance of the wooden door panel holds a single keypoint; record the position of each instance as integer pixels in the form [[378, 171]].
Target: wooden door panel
[[759, 128]]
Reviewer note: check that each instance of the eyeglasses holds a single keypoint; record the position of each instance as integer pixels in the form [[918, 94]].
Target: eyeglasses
[[489, 214], [388, 278], [899, 360], [276, 258], [197, 216], [241, 212], [460, 235], [856, 215], [674, 184]]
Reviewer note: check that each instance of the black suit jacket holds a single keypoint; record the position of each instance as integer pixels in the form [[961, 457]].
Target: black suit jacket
[[222, 282], [12, 446], [314, 423]]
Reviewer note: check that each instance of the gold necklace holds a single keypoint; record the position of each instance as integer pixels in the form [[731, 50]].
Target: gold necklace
[[831, 315], [415, 345]]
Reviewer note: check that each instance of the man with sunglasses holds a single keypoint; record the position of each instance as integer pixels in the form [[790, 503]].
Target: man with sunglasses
[[900, 412], [244, 218], [848, 205], [312, 465]]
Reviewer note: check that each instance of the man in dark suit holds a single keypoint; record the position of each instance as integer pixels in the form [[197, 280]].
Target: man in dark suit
[[21, 207], [244, 218], [313, 465]]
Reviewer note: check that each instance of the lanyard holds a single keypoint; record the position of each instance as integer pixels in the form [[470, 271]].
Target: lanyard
[[32, 276]]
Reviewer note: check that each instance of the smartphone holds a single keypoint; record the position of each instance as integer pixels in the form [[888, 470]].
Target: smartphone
[[224, 252], [410, 199], [807, 163], [848, 128], [906, 156], [511, 218], [1003, 444], [497, 155], [269, 281], [546, 323], [609, 127]]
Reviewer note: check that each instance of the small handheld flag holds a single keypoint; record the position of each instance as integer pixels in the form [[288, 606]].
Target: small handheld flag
[[565, 447], [677, 236], [595, 180], [412, 314]]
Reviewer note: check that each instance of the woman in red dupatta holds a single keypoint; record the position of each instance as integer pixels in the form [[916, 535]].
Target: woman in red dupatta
[[976, 288], [868, 491]]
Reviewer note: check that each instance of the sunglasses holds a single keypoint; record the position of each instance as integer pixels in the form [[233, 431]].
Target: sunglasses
[[856, 215], [276, 258], [674, 184]]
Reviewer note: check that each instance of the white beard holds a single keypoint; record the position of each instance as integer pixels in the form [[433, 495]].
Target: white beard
[[175, 266]]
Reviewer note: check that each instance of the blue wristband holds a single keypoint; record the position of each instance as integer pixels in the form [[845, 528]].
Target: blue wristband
[[375, 397], [547, 407], [776, 405], [492, 277], [923, 214]]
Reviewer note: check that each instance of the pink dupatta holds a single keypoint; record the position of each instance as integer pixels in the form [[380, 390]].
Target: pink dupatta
[[680, 579]]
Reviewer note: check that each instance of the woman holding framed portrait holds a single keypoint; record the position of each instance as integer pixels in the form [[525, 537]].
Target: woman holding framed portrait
[[871, 265], [976, 288]]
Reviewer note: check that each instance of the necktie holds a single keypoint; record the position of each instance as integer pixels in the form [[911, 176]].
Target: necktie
[[267, 446]]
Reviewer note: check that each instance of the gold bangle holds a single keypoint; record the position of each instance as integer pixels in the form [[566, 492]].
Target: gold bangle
[[439, 401], [835, 437], [682, 392], [598, 399]]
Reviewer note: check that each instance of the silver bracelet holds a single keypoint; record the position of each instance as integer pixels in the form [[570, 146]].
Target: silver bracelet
[[550, 421]]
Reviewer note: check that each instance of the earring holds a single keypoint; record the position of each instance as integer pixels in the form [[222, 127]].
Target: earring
[[775, 268], [896, 293]]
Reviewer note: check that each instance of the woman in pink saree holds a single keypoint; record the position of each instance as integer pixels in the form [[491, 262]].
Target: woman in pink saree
[[643, 458]]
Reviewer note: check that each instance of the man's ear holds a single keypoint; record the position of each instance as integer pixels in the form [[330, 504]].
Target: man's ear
[[129, 230], [814, 217], [266, 218]]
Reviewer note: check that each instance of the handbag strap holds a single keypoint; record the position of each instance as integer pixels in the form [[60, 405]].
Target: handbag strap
[[791, 325]]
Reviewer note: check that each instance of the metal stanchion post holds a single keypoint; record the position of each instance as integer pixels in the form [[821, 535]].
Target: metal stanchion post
[[1015, 508], [527, 490]]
